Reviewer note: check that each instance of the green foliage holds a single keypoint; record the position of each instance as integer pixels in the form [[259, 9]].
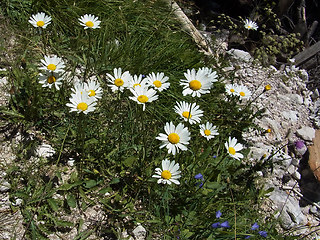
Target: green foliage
[[115, 148]]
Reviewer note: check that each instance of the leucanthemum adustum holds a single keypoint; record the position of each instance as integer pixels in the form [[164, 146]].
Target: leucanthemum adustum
[[169, 173], [89, 21], [40, 20], [93, 89], [158, 81], [175, 139], [189, 112], [49, 79], [250, 25], [208, 130], [233, 147], [82, 103], [78, 88], [196, 83], [119, 81], [142, 95], [209, 73], [137, 81], [53, 63], [243, 92], [232, 89]]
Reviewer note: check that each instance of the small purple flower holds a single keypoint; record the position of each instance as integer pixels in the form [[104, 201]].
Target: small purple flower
[[255, 226], [214, 156], [225, 224], [216, 225], [247, 237], [263, 234], [218, 214], [198, 176], [299, 144]]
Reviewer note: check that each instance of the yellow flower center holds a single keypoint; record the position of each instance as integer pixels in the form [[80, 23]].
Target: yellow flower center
[[268, 130], [195, 85], [143, 98], [51, 79], [242, 94], [166, 174], [51, 67], [118, 82], [207, 132], [232, 151], [40, 23], [157, 83], [82, 106], [137, 84], [232, 90], [186, 114], [92, 93], [249, 26], [89, 24], [173, 138]]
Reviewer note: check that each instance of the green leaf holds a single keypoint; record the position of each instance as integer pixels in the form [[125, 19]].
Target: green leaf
[[128, 162], [90, 183], [71, 200], [68, 186], [114, 181], [52, 203]]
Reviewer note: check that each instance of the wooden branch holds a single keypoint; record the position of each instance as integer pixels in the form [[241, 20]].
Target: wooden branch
[[188, 26], [307, 54]]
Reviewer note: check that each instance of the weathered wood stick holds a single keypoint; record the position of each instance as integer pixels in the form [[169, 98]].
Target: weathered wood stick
[[188, 26]]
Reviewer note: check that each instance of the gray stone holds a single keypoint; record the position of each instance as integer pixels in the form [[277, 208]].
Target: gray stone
[[139, 232], [306, 133], [290, 115], [291, 214], [4, 186], [240, 55], [296, 175]]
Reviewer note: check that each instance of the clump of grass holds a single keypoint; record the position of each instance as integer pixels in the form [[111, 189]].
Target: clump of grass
[[115, 147]]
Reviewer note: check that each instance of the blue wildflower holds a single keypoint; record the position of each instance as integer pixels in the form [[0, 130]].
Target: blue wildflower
[[198, 176], [218, 214], [225, 224], [263, 233], [255, 226], [247, 237], [216, 225]]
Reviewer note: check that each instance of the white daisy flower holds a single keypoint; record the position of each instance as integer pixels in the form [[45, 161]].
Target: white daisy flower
[[78, 88], [233, 147], [158, 81], [209, 73], [189, 112], [119, 81], [54, 64], [142, 95], [137, 81], [82, 103], [232, 89], [49, 79], [89, 21], [243, 92], [250, 25], [208, 130], [40, 20], [176, 138], [93, 88], [169, 173], [196, 83]]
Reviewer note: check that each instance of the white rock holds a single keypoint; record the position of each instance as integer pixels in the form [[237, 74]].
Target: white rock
[[290, 115], [240, 55], [4, 186], [139, 232], [296, 175], [306, 133], [45, 150]]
